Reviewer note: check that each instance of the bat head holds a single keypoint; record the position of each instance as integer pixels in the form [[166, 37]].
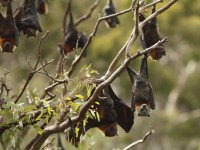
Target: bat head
[[157, 53], [109, 9], [7, 45], [109, 130], [143, 108], [42, 6]]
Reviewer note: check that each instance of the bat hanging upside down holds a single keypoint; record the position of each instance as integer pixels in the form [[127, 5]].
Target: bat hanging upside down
[[142, 99], [8, 31], [150, 36], [112, 112]]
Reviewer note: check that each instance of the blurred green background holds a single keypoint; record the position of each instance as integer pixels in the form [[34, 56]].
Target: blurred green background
[[175, 78]]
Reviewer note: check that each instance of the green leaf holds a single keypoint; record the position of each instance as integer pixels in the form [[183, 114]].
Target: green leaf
[[76, 131], [39, 130], [97, 103], [47, 119], [79, 96], [40, 115], [98, 117], [49, 110]]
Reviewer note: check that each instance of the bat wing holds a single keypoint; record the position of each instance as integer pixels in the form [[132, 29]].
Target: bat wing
[[124, 114], [151, 97], [9, 26], [1, 24]]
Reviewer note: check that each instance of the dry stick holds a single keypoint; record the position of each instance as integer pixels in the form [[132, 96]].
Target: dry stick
[[88, 15], [140, 141], [32, 73], [135, 32], [150, 4], [61, 127], [74, 120]]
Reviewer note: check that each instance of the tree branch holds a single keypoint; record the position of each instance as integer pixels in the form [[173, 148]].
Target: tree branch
[[88, 15], [32, 73], [140, 141]]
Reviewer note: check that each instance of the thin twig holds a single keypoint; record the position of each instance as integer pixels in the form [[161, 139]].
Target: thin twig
[[87, 15], [32, 73], [140, 141], [135, 33]]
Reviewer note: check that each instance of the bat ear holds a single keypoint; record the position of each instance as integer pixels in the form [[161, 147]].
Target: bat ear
[[144, 67], [131, 74], [9, 10]]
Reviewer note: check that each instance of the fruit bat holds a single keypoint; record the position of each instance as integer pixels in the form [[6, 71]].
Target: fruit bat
[[27, 19], [42, 6], [150, 36], [142, 93], [112, 111], [8, 31], [109, 9], [72, 38]]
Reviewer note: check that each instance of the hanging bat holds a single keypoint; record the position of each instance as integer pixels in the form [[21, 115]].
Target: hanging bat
[[72, 38], [112, 111], [150, 36], [27, 19], [125, 118], [109, 9], [42, 6], [8, 31], [107, 123], [142, 93]]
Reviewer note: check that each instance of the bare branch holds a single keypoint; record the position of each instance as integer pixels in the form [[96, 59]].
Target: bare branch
[[88, 15], [31, 74], [135, 32], [140, 141]]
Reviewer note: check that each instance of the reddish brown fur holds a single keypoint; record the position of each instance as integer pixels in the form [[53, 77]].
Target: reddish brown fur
[[10, 41]]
